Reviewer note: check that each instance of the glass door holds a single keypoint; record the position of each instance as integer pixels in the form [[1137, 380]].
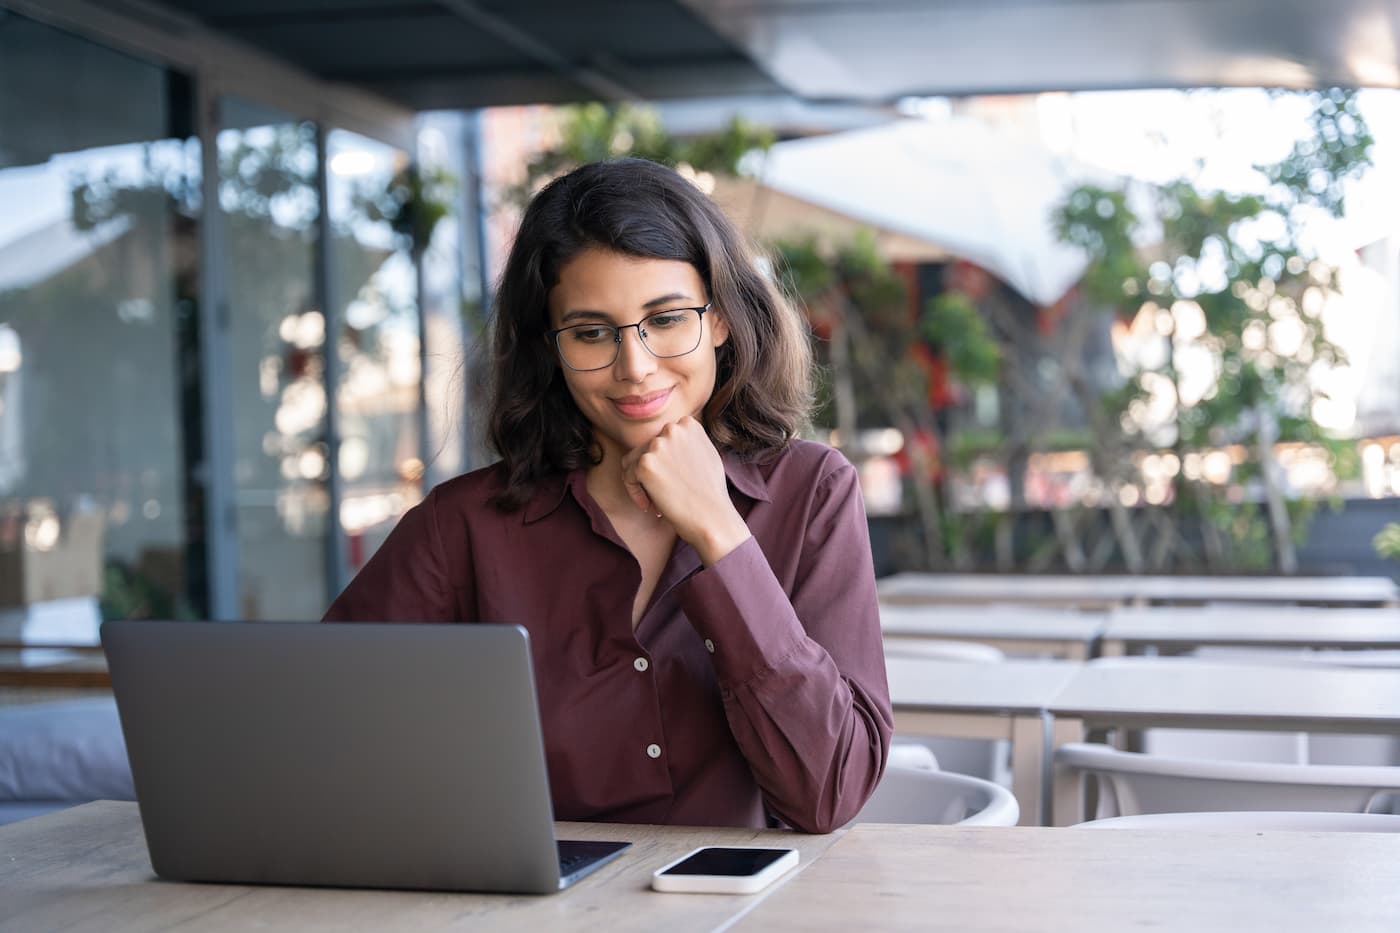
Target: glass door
[[269, 213], [378, 403], [99, 279]]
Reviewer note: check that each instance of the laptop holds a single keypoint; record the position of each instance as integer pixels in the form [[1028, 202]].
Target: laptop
[[357, 755]]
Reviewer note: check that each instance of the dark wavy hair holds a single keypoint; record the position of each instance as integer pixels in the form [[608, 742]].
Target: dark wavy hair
[[763, 382]]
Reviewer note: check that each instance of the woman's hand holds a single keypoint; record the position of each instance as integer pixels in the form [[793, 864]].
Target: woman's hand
[[679, 475]]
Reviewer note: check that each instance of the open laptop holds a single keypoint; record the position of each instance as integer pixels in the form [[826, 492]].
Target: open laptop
[[364, 755]]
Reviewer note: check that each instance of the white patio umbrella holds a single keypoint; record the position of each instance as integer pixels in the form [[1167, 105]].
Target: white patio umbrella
[[982, 194]]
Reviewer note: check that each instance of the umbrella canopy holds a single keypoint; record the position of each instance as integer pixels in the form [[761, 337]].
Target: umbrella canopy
[[983, 194]]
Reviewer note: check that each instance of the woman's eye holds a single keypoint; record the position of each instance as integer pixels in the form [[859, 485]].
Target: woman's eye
[[590, 334], [666, 320]]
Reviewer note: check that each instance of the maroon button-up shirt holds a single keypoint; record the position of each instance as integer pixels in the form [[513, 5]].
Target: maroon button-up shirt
[[750, 689]]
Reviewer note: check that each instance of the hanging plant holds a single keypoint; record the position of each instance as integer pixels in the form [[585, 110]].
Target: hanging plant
[[412, 204]]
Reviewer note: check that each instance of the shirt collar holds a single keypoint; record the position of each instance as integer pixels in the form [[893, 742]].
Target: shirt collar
[[548, 494], [742, 475], [745, 476]]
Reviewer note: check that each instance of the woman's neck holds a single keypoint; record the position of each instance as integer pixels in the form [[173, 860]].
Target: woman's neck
[[605, 481]]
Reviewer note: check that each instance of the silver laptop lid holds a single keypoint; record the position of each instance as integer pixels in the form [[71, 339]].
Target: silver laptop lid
[[364, 755]]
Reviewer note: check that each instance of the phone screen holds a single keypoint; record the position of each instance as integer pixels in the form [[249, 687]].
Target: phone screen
[[718, 860]]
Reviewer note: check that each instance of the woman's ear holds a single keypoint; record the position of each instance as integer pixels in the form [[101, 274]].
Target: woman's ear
[[719, 329]]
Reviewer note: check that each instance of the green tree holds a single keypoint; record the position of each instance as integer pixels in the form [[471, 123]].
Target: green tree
[[1231, 286], [860, 308], [595, 131]]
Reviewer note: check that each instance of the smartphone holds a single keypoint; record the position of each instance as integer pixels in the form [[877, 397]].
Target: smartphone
[[724, 870]]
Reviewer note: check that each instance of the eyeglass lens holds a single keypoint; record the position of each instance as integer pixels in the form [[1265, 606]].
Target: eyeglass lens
[[664, 334]]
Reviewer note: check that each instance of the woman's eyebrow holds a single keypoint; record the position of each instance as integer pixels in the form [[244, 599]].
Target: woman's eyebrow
[[583, 314], [667, 299], [587, 314]]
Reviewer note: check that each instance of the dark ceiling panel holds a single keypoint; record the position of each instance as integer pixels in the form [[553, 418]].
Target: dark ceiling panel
[[646, 29], [231, 12], [357, 51], [470, 53]]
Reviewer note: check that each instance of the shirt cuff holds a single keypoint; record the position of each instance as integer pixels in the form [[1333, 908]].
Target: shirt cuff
[[740, 610]]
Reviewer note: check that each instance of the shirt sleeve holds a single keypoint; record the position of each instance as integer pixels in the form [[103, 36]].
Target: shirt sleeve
[[405, 580], [803, 677]]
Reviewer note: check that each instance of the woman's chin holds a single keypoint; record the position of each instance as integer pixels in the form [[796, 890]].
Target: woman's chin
[[617, 443]]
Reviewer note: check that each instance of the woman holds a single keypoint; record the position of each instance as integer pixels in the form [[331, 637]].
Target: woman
[[696, 582]]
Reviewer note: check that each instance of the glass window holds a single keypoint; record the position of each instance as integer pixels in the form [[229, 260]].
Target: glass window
[[379, 400], [276, 332], [451, 297], [99, 178]]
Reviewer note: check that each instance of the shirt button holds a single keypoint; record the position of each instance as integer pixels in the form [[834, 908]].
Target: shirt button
[[709, 646], [640, 664], [653, 750]]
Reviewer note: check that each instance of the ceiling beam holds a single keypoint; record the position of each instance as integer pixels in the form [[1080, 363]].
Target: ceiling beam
[[591, 80]]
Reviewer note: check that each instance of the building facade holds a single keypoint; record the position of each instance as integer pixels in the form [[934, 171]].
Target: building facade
[[222, 333]]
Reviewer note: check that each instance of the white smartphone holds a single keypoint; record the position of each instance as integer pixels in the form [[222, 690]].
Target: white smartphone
[[724, 870]]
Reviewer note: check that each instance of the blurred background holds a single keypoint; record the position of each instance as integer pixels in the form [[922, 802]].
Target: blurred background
[[1097, 288]]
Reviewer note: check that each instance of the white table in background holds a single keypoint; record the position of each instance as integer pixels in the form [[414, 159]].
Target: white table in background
[[1100, 592], [1331, 591], [1071, 591], [1005, 700], [1181, 628], [1141, 693], [1025, 630]]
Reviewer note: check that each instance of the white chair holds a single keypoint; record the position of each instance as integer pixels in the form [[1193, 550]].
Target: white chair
[[1256, 820], [917, 795], [913, 756], [1130, 783]]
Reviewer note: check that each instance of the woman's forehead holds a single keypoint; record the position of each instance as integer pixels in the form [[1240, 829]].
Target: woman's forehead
[[609, 282]]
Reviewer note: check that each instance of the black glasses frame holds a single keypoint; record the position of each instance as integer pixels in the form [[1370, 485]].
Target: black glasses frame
[[553, 337]]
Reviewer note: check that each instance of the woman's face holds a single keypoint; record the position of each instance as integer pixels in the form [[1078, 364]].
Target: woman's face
[[629, 402]]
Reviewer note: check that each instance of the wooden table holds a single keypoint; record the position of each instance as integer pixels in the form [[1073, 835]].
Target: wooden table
[[57, 667], [1140, 693], [1181, 628], [87, 869], [1024, 630], [972, 879], [1005, 700]]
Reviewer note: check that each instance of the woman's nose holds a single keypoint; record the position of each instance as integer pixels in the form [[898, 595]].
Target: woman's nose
[[634, 361]]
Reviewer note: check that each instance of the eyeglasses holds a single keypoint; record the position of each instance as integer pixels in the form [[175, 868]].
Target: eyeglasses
[[586, 347]]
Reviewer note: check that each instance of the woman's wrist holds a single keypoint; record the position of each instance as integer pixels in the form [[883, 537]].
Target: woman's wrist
[[717, 538]]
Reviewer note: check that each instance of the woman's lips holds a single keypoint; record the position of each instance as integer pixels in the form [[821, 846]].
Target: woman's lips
[[641, 406]]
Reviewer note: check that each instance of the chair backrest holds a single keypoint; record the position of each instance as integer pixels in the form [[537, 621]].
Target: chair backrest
[[1130, 783], [1256, 820], [916, 795], [912, 756], [944, 649]]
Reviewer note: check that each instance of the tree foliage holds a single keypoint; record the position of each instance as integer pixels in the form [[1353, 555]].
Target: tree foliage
[[1232, 288], [595, 131]]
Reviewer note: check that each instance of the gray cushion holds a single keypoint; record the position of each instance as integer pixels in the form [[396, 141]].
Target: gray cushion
[[68, 750]]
